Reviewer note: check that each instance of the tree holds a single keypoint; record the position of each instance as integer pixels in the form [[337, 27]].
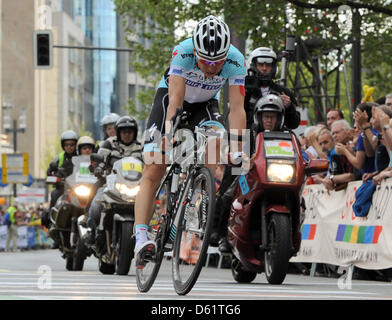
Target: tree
[[266, 23]]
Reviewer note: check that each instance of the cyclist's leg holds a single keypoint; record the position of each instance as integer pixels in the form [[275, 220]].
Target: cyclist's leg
[[152, 174], [209, 111]]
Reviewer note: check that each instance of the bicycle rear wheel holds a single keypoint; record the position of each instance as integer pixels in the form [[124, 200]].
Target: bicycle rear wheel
[[193, 231], [145, 277]]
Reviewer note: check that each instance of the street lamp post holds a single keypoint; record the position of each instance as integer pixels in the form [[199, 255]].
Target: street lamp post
[[15, 130]]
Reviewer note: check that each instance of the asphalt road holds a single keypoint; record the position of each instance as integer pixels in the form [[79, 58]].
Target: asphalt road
[[41, 275]]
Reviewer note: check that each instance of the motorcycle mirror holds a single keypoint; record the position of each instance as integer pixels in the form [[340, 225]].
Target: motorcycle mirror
[[95, 157], [317, 166]]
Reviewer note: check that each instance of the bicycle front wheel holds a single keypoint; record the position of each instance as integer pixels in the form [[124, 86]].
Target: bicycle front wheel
[[193, 231], [145, 277]]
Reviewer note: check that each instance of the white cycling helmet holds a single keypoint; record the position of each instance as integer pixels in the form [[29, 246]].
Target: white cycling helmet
[[211, 39]]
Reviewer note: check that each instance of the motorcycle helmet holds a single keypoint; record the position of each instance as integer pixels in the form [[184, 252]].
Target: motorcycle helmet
[[211, 39], [85, 140], [263, 55], [68, 135], [270, 103], [126, 122], [109, 119]]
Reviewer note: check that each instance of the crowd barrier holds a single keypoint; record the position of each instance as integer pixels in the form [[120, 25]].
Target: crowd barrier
[[28, 237], [332, 234]]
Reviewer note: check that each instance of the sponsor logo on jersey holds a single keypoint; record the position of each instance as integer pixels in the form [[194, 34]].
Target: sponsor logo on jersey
[[239, 81], [187, 55], [177, 71], [229, 61]]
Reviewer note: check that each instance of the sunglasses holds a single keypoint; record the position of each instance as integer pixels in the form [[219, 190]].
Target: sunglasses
[[212, 63], [69, 144]]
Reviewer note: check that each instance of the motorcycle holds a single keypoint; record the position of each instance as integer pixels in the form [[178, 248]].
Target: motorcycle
[[68, 208], [264, 222], [115, 249]]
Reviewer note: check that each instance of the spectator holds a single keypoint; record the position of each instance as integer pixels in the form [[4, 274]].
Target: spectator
[[326, 143], [310, 138], [362, 116], [334, 115], [363, 156], [341, 170], [2, 213], [385, 123], [388, 100], [12, 233], [302, 141], [382, 158]]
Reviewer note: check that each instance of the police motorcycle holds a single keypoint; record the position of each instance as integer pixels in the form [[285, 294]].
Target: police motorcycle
[[114, 248], [68, 208], [264, 228]]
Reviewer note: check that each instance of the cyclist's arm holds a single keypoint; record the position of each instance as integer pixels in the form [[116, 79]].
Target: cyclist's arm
[[237, 116], [176, 98]]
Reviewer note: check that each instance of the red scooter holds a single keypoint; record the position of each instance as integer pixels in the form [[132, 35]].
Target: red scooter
[[264, 222]]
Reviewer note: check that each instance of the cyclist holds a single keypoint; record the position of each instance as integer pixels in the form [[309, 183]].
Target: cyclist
[[199, 68]]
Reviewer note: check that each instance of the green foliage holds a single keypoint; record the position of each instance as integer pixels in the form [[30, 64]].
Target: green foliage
[[164, 23]]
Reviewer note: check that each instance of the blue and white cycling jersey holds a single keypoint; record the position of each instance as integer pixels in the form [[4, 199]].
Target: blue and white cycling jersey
[[197, 87]]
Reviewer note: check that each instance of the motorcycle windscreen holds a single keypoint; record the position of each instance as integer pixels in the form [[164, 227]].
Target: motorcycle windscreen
[[130, 168], [81, 172]]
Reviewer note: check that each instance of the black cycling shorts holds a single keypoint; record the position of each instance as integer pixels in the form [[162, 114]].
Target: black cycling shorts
[[199, 113]]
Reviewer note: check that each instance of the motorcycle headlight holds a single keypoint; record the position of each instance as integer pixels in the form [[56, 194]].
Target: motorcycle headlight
[[280, 171], [82, 191], [125, 190]]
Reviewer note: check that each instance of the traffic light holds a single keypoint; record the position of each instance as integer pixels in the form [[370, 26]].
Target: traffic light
[[43, 50]]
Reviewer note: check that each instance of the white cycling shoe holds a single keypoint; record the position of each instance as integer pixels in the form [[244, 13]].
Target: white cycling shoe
[[144, 250]]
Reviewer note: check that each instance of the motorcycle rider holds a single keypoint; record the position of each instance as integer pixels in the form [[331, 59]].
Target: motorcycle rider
[[85, 145], [259, 82], [108, 125], [123, 144], [269, 114], [61, 166], [62, 163]]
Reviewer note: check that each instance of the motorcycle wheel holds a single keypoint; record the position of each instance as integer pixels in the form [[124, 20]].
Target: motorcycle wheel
[[80, 255], [277, 257], [69, 263], [195, 229], [125, 247], [106, 268], [239, 274]]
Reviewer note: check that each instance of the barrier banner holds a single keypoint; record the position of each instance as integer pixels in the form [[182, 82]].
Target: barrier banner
[[31, 237], [3, 236], [44, 238], [331, 233], [22, 237]]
